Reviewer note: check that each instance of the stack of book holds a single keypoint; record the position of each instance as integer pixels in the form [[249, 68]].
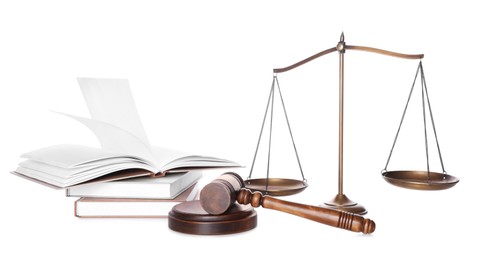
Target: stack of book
[[143, 197], [126, 176]]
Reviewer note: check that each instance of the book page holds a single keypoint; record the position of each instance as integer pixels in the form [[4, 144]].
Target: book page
[[111, 101], [116, 139], [84, 168], [166, 155], [173, 159], [68, 155]]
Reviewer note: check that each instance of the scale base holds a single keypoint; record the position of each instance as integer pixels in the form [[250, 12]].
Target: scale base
[[343, 203]]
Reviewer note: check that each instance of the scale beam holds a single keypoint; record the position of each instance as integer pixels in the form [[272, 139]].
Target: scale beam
[[349, 47]]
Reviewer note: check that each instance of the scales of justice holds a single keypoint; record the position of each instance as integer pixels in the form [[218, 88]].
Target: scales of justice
[[412, 179]]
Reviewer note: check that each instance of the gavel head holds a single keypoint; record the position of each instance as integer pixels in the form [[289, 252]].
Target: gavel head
[[220, 194]]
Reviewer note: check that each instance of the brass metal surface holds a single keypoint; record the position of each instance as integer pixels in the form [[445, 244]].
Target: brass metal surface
[[343, 203], [276, 186], [340, 201], [384, 52], [341, 49], [304, 61], [420, 180]]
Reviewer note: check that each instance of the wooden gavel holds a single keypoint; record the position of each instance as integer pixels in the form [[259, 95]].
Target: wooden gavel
[[220, 194]]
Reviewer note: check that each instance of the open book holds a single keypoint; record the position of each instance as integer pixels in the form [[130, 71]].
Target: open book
[[125, 151], [66, 165]]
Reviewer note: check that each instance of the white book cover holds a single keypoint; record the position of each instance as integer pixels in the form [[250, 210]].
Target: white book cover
[[166, 187], [131, 208]]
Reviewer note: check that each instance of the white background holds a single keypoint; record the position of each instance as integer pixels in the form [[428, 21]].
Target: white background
[[200, 72]]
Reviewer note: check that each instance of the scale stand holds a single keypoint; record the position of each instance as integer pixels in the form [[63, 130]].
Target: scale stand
[[341, 201]]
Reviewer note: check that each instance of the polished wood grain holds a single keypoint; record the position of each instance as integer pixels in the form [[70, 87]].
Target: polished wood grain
[[189, 217], [331, 217], [220, 194]]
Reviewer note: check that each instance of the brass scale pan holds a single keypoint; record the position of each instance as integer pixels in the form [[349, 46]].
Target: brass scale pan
[[420, 180], [276, 186]]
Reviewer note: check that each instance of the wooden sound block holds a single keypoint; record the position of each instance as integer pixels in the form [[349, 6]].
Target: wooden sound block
[[189, 217]]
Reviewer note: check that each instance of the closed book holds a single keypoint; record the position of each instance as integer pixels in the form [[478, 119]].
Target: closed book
[[131, 208], [166, 187]]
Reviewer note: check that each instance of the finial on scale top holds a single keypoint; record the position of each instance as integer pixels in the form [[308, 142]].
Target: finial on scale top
[[341, 45]]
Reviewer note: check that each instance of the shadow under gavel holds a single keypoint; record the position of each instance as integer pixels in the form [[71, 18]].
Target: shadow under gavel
[[220, 194]]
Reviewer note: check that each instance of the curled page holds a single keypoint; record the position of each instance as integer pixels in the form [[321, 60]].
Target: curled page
[[111, 101], [116, 139]]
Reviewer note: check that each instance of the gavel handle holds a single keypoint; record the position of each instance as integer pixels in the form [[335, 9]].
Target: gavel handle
[[331, 217]]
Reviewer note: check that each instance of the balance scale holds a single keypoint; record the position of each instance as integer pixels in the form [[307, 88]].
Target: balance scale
[[411, 179]]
